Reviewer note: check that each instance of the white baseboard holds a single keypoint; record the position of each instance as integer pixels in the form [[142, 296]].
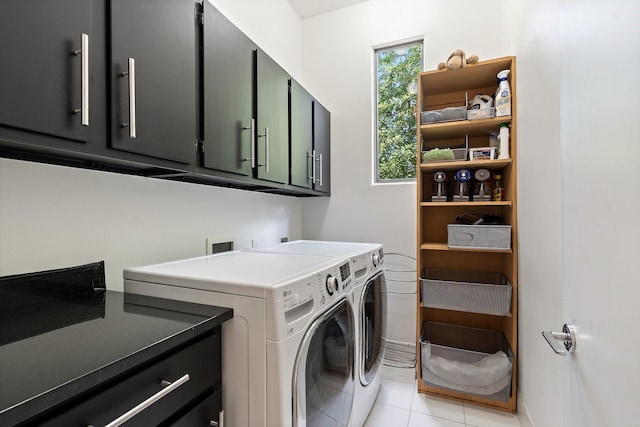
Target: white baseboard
[[523, 413]]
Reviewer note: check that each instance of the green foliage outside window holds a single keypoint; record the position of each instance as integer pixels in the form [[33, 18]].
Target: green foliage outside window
[[397, 68]]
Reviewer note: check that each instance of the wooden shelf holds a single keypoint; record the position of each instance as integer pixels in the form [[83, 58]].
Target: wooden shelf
[[488, 164], [444, 247], [459, 204], [448, 88], [462, 127]]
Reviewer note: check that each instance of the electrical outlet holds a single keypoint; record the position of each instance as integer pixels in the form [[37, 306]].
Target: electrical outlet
[[216, 245]]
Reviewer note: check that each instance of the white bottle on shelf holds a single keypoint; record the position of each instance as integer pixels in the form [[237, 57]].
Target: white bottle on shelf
[[503, 95], [503, 137]]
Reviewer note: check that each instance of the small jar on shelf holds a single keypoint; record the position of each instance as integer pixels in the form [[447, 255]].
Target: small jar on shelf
[[497, 194]]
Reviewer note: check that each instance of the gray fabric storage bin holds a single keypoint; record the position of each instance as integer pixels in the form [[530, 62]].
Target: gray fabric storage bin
[[463, 290], [479, 236], [468, 360], [443, 115]]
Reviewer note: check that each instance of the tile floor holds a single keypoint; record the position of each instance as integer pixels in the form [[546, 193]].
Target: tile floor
[[400, 405]]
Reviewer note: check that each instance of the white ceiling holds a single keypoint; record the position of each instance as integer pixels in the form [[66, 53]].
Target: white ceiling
[[309, 8]]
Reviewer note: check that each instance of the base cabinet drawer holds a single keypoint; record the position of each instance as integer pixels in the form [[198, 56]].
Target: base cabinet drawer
[[204, 413], [164, 386]]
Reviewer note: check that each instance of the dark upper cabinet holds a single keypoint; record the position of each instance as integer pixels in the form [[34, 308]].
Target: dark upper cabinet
[[322, 147], [302, 154], [154, 78], [310, 141], [271, 120], [49, 84], [228, 58], [164, 88]]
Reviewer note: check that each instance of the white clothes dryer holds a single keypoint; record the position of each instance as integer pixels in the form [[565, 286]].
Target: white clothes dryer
[[370, 309], [288, 352]]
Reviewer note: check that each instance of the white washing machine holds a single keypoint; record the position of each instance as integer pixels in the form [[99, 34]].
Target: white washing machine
[[370, 310], [288, 352]]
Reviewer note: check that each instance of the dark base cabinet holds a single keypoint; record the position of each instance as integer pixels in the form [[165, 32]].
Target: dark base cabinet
[[198, 364], [209, 410]]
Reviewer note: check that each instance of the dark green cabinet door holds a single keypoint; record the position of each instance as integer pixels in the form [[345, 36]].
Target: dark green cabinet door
[[322, 147], [228, 95], [153, 61], [301, 122], [272, 124], [41, 74]]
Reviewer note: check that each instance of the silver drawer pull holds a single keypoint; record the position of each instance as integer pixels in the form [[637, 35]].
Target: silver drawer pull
[[168, 388], [220, 422], [253, 137], [84, 51], [313, 166], [131, 72], [265, 135], [266, 144]]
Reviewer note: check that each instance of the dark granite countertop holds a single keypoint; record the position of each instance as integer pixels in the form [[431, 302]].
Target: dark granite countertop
[[55, 347]]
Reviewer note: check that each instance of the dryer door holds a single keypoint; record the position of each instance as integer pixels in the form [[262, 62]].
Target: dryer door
[[323, 380], [373, 327]]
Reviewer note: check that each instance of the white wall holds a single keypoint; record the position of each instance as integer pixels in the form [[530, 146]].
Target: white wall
[[53, 217], [533, 35], [338, 64], [272, 24]]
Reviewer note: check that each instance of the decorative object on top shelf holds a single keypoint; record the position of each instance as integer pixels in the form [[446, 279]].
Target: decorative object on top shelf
[[439, 193], [462, 182], [482, 191], [458, 59]]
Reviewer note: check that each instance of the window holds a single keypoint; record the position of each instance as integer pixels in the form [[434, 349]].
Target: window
[[395, 137]]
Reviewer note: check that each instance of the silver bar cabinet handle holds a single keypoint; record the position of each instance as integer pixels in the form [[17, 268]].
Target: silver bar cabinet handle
[[320, 161], [266, 144], [252, 127], [168, 388], [132, 97], [313, 166], [84, 108], [220, 422]]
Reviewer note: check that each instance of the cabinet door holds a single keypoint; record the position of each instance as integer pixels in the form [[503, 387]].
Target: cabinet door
[[228, 95], [301, 122], [272, 125], [41, 78], [322, 146], [154, 64]]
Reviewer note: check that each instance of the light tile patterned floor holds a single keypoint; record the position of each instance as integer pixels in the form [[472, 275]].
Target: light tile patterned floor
[[400, 405]]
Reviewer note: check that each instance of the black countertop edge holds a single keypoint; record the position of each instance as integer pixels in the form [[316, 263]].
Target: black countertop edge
[[24, 413]]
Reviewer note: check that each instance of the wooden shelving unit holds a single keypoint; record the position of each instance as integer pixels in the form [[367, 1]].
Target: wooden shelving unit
[[441, 89]]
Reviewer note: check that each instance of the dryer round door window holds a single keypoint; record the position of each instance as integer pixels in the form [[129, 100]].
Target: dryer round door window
[[323, 383], [373, 312]]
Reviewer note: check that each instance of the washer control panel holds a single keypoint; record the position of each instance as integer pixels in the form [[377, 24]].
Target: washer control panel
[[292, 306], [364, 265]]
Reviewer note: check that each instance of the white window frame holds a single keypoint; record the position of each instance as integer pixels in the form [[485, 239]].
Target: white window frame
[[375, 49]]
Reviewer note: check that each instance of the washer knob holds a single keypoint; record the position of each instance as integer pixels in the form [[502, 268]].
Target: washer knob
[[332, 284], [375, 259]]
